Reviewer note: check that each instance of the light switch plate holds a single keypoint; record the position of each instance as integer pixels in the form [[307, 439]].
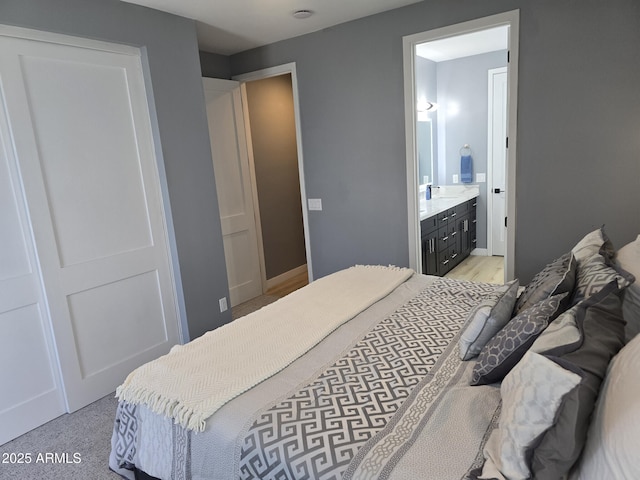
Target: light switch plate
[[315, 203], [481, 177], [455, 178]]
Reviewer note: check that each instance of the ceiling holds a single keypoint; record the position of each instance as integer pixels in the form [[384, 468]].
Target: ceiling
[[231, 26], [465, 45]]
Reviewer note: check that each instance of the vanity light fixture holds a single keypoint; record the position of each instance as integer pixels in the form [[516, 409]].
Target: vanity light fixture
[[301, 14]]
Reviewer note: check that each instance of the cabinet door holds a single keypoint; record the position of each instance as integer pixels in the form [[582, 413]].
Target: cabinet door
[[429, 254]]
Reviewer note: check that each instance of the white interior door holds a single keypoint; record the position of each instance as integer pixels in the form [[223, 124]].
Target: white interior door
[[81, 130], [31, 393], [235, 199], [498, 89]]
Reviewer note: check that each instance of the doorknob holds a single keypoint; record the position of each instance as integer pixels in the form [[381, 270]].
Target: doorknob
[[497, 190]]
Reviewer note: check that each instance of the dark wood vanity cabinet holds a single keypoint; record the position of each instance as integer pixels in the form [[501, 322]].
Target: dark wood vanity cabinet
[[448, 238]]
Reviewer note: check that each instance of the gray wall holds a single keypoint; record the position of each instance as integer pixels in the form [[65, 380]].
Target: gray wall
[[578, 126], [273, 136], [171, 47], [214, 65], [465, 82]]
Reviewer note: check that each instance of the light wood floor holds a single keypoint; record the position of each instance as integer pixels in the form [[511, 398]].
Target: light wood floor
[[480, 269]]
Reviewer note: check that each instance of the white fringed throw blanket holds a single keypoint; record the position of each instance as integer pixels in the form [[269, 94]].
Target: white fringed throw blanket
[[193, 381]]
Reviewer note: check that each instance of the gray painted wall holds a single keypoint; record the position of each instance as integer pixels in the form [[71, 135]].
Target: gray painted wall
[[214, 65], [578, 126], [464, 81], [273, 136], [171, 48]]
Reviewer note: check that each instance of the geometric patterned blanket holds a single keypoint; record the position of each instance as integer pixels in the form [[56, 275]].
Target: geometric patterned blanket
[[386, 404], [354, 419]]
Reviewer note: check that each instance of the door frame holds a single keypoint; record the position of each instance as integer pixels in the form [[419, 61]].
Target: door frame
[[288, 68], [491, 103], [409, 42]]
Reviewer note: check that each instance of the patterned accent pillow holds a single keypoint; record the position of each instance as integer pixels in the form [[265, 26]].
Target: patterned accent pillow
[[532, 394], [508, 346], [594, 274], [593, 243], [484, 321], [557, 277]]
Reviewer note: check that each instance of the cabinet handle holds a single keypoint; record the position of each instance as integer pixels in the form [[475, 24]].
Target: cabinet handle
[[445, 262], [453, 215], [432, 245], [444, 239], [475, 203], [466, 225], [454, 233], [454, 256], [474, 220], [474, 240]]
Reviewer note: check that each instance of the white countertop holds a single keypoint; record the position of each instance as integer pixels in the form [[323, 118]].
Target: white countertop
[[445, 197]]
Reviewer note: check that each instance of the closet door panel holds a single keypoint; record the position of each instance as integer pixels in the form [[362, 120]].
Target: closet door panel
[[83, 139], [89, 157], [31, 392]]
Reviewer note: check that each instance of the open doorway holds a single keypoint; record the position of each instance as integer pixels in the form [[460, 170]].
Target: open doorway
[[274, 144], [446, 70], [256, 150]]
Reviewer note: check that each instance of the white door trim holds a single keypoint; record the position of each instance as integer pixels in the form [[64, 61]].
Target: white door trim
[[258, 75], [490, 186], [512, 19]]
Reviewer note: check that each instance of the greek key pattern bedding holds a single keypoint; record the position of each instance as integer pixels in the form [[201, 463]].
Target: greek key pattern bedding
[[333, 426]]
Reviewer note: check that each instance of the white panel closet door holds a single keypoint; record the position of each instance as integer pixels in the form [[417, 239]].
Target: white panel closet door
[[31, 394], [82, 134]]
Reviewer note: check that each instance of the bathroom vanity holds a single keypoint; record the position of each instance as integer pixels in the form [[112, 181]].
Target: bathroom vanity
[[448, 228]]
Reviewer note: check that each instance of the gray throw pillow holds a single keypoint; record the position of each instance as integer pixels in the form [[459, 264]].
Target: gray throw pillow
[[508, 346], [601, 325], [485, 320], [557, 277], [532, 394]]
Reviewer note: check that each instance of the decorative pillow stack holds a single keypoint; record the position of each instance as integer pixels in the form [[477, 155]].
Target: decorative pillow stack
[[548, 397], [552, 361]]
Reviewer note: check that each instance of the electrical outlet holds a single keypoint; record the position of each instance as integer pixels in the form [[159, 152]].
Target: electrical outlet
[[481, 177], [223, 304], [455, 178]]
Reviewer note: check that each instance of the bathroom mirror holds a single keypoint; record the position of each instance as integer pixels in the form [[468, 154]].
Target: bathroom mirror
[[424, 147]]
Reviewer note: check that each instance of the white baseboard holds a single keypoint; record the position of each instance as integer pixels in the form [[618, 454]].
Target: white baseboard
[[480, 252], [283, 277]]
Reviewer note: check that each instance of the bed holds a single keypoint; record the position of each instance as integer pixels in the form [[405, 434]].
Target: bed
[[379, 373]]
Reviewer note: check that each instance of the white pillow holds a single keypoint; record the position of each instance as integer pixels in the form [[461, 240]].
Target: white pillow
[[628, 258], [611, 451]]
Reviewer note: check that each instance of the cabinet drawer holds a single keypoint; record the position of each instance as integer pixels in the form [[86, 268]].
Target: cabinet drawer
[[428, 225], [444, 240], [443, 217]]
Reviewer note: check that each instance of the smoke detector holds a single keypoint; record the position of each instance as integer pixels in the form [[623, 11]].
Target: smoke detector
[[300, 14]]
